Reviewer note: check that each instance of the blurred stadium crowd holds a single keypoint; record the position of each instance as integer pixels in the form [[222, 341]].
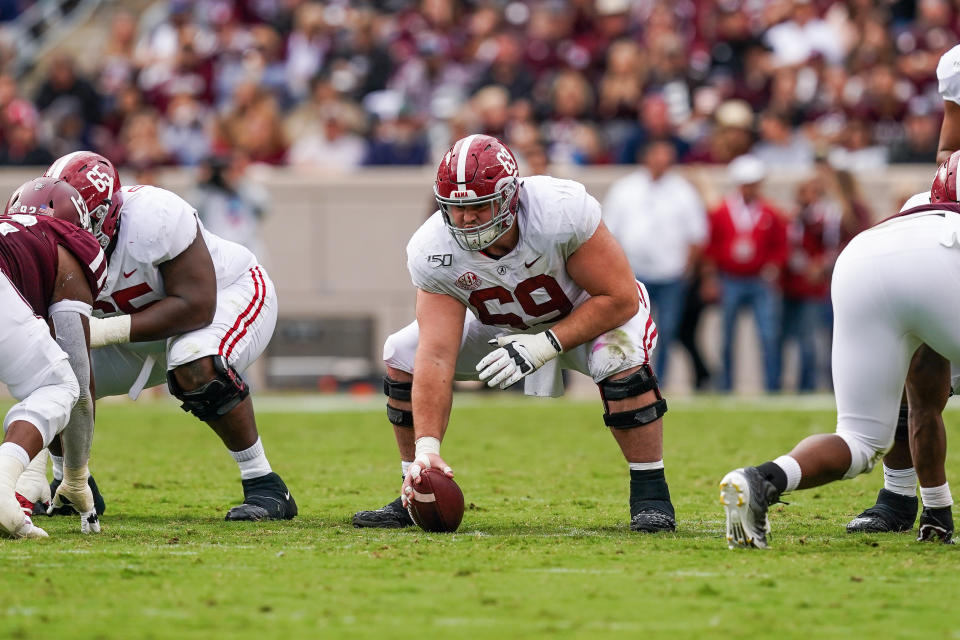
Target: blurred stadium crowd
[[342, 84]]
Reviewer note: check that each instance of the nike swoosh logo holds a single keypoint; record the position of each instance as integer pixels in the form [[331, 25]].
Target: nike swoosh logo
[[530, 264], [127, 275]]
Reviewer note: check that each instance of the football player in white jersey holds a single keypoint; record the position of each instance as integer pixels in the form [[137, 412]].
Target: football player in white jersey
[[927, 389], [184, 306], [548, 288], [894, 289]]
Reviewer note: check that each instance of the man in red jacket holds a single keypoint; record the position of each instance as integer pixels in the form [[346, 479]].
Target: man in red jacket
[[746, 250]]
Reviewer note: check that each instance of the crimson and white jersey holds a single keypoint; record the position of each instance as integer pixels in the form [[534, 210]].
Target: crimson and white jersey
[[529, 288], [157, 225], [948, 75], [28, 255]]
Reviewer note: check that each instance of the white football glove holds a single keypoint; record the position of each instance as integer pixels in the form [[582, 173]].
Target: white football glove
[[519, 355], [75, 491]]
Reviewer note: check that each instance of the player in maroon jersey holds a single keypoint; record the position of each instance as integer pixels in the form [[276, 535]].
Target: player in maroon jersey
[[50, 271]]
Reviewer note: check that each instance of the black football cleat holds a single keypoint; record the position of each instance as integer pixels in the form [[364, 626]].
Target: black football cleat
[[746, 495], [653, 517], [390, 516], [40, 509], [936, 525], [264, 498], [893, 513]]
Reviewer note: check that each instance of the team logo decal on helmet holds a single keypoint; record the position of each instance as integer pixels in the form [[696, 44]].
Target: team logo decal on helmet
[[49, 197], [478, 169], [98, 182]]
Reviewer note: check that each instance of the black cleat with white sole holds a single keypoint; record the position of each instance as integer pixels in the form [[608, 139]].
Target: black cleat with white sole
[[936, 525], [893, 513], [264, 498], [653, 516], [746, 495], [40, 509], [390, 516]]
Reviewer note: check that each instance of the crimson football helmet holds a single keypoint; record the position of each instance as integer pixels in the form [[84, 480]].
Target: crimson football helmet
[[478, 169], [49, 197], [98, 182], [944, 188]]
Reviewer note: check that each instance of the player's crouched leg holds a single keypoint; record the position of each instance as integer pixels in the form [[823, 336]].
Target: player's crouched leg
[[618, 361], [633, 410], [214, 392]]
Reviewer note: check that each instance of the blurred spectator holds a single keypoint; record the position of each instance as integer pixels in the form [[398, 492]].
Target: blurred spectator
[[492, 108], [573, 140], [654, 124], [660, 221], [332, 144], [66, 94], [252, 125], [803, 34], [745, 253], [228, 202], [186, 135], [813, 241], [506, 69], [780, 146], [397, 140], [140, 138], [117, 67], [921, 134], [843, 75], [730, 138], [307, 48], [693, 307], [20, 146], [856, 151]]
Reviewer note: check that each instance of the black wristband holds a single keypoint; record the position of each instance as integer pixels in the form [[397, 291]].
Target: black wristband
[[553, 340]]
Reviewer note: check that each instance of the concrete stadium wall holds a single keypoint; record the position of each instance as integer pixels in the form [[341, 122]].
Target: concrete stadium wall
[[336, 243]]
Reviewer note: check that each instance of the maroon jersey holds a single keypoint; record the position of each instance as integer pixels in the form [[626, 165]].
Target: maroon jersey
[[28, 255]]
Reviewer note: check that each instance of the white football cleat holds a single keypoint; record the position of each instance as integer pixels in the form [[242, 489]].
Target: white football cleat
[[746, 495]]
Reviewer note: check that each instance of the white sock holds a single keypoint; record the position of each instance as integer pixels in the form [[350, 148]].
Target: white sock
[[13, 460], [16, 452], [57, 467], [405, 466], [645, 466], [252, 462], [791, 468], [936, 497], [900, 481]]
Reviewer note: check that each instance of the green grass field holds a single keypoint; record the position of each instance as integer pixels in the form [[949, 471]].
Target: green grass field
[[544, 549]]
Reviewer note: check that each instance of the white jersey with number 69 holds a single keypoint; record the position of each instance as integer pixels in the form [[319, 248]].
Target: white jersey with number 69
[[156, 226], [529, 288]]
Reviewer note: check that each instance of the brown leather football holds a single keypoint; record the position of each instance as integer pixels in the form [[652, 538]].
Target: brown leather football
[[437, 502]]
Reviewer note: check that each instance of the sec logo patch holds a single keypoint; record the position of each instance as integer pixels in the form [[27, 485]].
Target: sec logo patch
[[468, 281]]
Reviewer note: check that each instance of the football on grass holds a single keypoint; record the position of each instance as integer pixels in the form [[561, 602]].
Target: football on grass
[[437, 503]]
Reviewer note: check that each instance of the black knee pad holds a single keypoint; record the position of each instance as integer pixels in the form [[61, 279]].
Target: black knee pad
[[902, 433], [636, 384], [217, 397], [398, 391]]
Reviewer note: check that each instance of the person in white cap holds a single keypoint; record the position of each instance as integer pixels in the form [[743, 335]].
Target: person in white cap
[[746, 249]]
